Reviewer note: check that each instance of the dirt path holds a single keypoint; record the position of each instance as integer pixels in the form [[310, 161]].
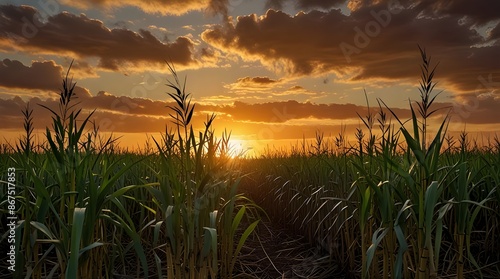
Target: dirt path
[[274, 253]]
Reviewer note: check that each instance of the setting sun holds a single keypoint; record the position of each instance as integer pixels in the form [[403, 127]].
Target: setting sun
[[254, 139], [237, 147]]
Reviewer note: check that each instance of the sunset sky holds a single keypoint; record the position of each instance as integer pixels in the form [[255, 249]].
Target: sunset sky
[[273, 71]]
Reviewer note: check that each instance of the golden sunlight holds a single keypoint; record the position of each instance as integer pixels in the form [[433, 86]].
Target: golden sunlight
[[237, 147]]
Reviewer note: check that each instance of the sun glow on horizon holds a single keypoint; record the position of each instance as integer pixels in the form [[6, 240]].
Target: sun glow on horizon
[[237, 147]]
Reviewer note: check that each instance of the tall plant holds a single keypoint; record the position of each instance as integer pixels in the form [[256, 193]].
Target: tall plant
[[68, 191], [197, 199], [412, 199]]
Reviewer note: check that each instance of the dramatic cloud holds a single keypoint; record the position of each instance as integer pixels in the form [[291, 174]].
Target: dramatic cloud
[[375, 41], [264, 121], [479, 107], [257, 80], [306, 4], [107, 120], [280, 112], [253, 84], [494, 33], [477, 12], [69, 34], [172, 7], [81, 69], [117, 113], [318, 50], [40, 75], [262, 88]]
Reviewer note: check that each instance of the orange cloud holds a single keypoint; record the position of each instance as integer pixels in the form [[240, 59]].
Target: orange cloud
[[260, 121], [257, 80], [172, 7], [262, 88], [285, 119], [247, 85]]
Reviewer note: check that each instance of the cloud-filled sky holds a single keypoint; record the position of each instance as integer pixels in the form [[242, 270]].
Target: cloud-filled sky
[[275, 70]]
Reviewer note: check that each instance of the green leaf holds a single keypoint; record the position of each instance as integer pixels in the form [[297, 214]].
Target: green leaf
[[242, 240], [76, 235], [237, 219], [377, 237], [212, 236], [41, 227], [90, 247]]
